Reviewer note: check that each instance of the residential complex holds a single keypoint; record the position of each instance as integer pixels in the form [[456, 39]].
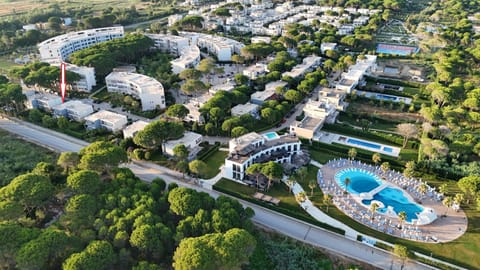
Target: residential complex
[[308, 65], [254, 148], [356, 73], [74, 109], [223, 48], [189, 58], [87, 77], [105, 119], [59, 48], [255, 71], [147, 89]]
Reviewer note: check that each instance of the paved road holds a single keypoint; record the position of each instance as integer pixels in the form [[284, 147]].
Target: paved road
[[278, 222]]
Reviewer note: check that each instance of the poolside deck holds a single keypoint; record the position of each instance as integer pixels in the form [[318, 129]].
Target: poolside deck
[[443, 229]]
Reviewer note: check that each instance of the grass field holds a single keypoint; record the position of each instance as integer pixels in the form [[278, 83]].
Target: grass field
[[214, 162], [10, 7], [18, 156], [6, 65]]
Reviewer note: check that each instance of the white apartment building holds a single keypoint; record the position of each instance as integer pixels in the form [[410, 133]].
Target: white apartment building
[[309, 64], [105, 119], [169, 43], [255, 71], [254, 148], [87, 77], [247, 108], [229, 86], [273, 86], [131, 130], [223, 48], [189, 58], [147, 89], [191, 140], [41, 101], [73, 109], [260, 97], [260, 39], [334, 97], [327, 46], [57, 49]]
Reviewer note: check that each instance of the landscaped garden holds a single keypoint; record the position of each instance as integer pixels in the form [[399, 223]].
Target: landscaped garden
[[214, 162]]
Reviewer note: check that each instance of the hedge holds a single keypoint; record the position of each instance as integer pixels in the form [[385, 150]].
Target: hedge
[[285, 211], [206, 152], [395, 82]]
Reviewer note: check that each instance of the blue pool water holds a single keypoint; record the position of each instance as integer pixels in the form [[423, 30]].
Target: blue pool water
[[385, 97], [394, 197], [365, 181], [271, 135], [360, 181], [363, 143], [387, 149]]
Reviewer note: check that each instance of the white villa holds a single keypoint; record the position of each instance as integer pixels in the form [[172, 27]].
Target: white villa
[[147, 89], [254, 148], [105, 119]]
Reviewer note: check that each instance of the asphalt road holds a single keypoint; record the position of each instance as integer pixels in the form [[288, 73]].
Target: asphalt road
[[273, 220]]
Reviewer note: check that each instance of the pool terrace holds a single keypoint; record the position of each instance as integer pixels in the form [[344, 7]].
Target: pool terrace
[[442, 229], [328, 137]]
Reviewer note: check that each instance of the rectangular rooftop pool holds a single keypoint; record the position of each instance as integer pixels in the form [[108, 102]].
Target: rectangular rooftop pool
[[364, 144]]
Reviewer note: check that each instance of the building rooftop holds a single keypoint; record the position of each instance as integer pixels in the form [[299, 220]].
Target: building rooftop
[[107, 116], [310, 123], [263, 95], [274, 85], [241, 109], [189, 139], [72, 36], [73, 105], [135, 127], [187, 55], [242, 152]]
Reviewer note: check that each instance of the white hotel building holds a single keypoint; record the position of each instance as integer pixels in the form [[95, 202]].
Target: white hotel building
[[105, 119], [59, 48], [147, 89], [74, 109], [254, 148]]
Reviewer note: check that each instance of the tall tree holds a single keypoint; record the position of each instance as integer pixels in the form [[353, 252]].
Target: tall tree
[[97, 255], [84, 181], [101, 156], [376, 158], [197, 167], [408, 131], [178, 111], [180, 152], [156, 133], [273, 171]]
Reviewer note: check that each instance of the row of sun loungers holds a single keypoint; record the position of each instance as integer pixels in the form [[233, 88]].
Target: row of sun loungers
[[266, 198]]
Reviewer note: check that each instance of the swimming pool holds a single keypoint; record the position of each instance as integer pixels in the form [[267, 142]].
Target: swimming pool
[[362, 181], [364, 143], [386, 97], [271, 136], [395, 198], [387, 149]]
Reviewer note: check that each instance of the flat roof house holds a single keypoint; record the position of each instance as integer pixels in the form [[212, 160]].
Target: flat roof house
[[105, 119]]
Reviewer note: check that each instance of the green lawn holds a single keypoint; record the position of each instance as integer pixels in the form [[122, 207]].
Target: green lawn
[[214, 161]]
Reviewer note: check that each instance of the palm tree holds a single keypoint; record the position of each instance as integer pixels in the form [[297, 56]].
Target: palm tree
[[376, 158], [402, 216], [373, 208], [347, 182], [290, 184], [422, 188], [443, 188], [301, 196], [352, 153], [385, 167], [458, 199], [312, 186], [327, 199], [447, 201]]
